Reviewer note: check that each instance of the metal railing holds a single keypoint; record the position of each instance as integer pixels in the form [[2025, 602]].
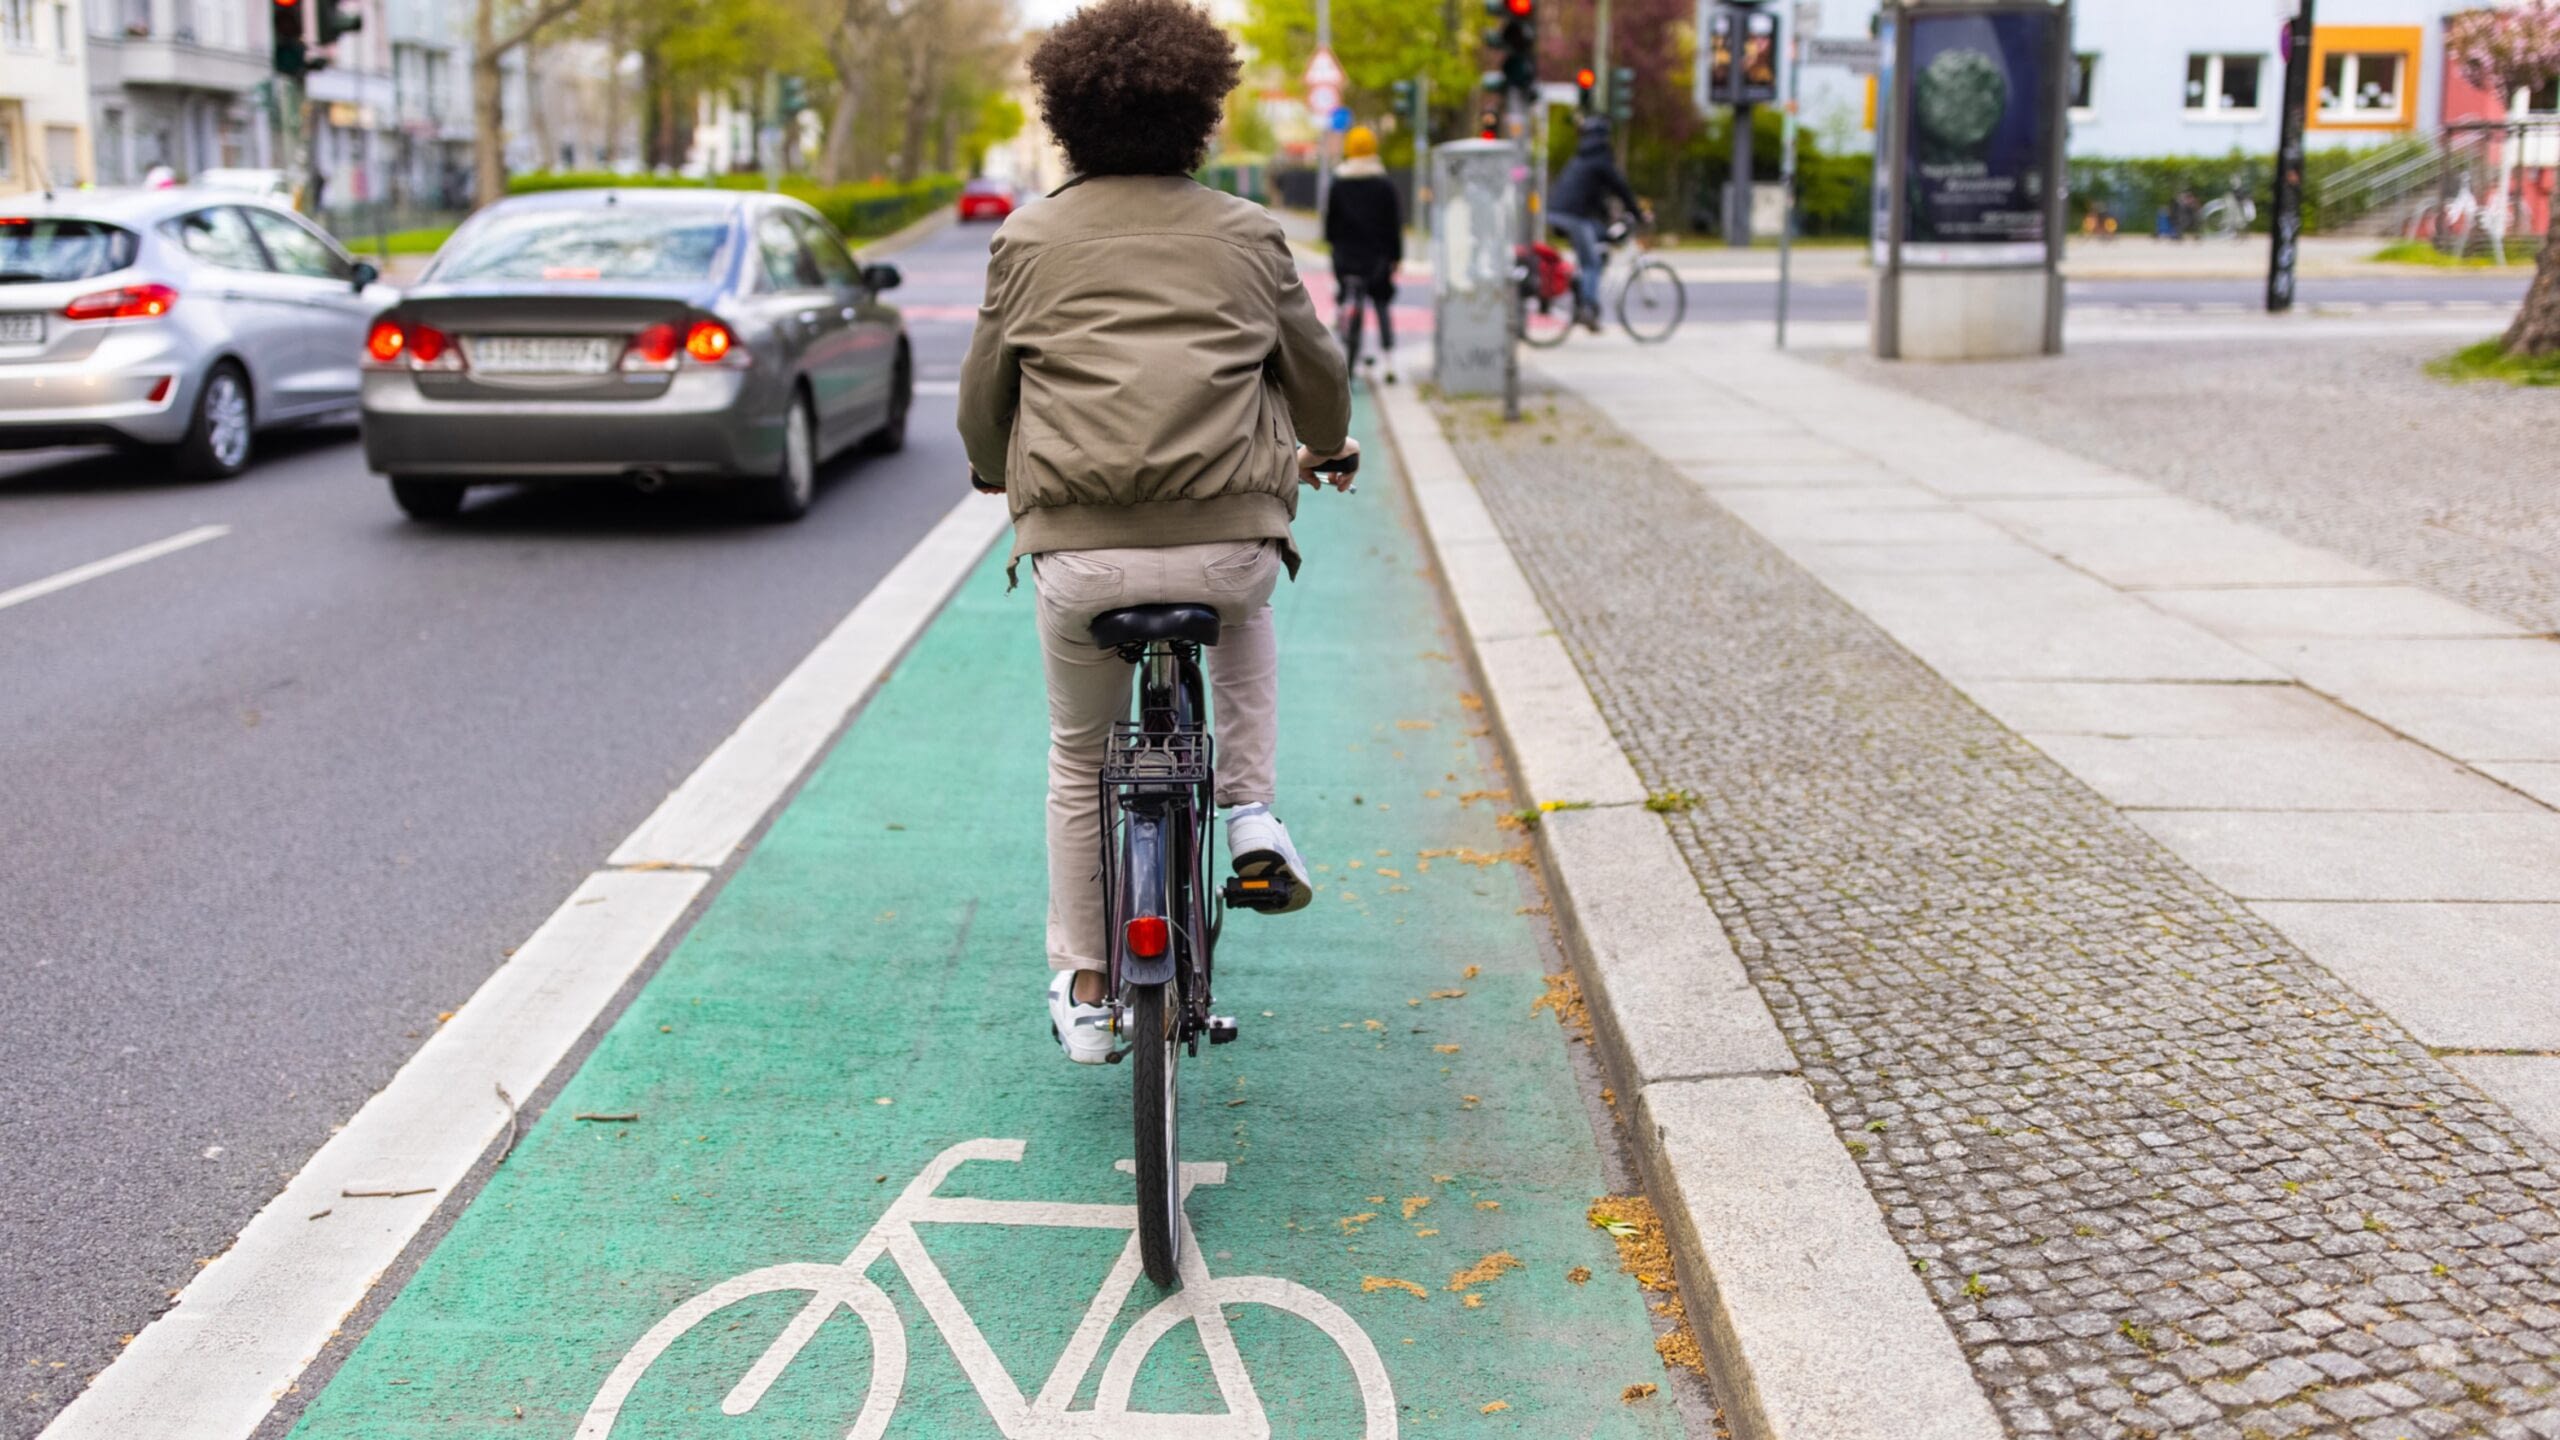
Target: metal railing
[[2478, 185]]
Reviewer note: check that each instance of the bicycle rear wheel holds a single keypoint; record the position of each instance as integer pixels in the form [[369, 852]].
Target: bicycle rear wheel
[[1155, 1060], [1652, 303], [1545, 323]]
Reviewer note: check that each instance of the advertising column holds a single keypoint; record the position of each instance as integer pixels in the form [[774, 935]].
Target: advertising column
[[1970, 181]]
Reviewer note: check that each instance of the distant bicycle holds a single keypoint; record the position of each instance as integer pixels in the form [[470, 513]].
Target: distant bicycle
[[2230, 217], [1647, 296]]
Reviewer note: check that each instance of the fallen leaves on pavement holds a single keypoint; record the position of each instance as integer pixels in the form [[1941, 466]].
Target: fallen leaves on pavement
[[1372, 1284], [1644, 1251]]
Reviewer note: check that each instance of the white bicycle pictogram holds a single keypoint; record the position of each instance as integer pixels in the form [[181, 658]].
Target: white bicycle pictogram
[[1045, 1416]]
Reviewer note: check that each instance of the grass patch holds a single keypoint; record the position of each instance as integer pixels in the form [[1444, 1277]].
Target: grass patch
[[2489, 360], [361, 243], [2420, 252]]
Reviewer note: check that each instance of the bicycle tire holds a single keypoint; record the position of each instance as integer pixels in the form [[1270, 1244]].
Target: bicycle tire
[[1652, 303], [1155, 1063], [1546, 327]]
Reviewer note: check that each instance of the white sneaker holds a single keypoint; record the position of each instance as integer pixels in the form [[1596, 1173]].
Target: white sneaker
[[1260, 845], [1083, 1031]]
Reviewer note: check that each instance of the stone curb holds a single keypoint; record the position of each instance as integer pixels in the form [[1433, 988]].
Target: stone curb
[[1814, 1325]]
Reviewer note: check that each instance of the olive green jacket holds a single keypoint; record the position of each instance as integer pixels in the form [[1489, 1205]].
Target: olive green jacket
[[1144, 367]]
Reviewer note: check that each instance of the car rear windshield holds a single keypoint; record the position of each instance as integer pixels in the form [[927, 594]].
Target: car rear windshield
[[46, 248], [551, 243]]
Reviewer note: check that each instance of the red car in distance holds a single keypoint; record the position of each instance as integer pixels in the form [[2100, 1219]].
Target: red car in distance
[[985, 199]]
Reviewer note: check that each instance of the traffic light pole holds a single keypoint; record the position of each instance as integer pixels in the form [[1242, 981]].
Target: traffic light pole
[[1787, 172], [1324, 135]]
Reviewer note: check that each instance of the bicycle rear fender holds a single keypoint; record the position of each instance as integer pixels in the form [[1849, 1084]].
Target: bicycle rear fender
[[1145, 896]]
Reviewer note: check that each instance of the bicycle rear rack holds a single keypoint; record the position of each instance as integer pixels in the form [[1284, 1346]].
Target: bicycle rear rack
[[1158, 764]]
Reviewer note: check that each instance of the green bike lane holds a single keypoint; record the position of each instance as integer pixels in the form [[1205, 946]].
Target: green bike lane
[[1401, 1130]]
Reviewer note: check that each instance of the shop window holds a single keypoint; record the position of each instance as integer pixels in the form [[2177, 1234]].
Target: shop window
[[2223, 85], [2362, 86]]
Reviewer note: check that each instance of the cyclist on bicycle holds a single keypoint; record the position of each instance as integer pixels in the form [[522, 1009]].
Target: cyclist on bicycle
[[1578, 207], [1144, 351], [1364, 223]]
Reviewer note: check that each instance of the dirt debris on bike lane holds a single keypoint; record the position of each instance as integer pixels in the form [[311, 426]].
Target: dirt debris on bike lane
[[1406, 1131]]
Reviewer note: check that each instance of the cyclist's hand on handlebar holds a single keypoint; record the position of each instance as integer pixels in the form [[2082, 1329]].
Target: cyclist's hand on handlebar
[[1314, 469]]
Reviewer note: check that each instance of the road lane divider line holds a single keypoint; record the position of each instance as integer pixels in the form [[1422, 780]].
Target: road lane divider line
[[123, 560], [242, 1332], [711, 814]]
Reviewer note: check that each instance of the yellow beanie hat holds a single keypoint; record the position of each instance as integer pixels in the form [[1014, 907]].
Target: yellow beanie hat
[[1359, 141]]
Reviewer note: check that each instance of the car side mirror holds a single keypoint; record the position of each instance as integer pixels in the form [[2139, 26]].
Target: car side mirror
[[364, 273], [881, 277]]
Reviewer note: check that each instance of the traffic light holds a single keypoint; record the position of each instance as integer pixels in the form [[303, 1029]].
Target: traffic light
[[1517, 38], [293, 57], [1404, 96], [1622, 95], [336, 18], [1488, 125], [791, 96], [1584, 80]]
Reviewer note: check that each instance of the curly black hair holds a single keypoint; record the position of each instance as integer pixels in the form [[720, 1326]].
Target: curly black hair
[[1135, 87]]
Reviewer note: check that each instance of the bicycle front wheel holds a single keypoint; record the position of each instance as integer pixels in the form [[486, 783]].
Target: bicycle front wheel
[[1653, 302], [1155, 1056]]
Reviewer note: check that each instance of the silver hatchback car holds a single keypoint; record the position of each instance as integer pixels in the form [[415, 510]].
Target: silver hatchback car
[[179, 320]]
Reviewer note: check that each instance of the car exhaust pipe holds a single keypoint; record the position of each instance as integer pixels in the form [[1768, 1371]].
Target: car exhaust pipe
[[648, 482]]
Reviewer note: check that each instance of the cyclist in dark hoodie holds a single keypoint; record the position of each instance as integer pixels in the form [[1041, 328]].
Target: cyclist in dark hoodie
[[1578, 208], [1364, 223]]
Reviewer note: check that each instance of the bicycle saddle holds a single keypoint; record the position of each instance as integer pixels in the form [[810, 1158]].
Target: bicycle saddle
[[1144, 624]]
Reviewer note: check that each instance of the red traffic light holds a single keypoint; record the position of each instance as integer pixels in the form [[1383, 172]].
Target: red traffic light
[[1520, 7], [1584, 78]]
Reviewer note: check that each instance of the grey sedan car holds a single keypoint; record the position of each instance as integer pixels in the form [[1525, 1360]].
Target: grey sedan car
[[650, 336], [180, 320]]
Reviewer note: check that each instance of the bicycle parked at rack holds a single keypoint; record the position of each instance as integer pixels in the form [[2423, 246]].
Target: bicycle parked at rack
[[1646, 296]]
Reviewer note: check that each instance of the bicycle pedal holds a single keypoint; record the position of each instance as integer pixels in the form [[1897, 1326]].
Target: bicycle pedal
[[1265, 895], [1222, 1029]]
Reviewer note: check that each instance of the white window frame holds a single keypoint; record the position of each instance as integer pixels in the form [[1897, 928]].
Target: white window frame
[[18, 24], [2350, 83], [2085, 64], [2212, 112]]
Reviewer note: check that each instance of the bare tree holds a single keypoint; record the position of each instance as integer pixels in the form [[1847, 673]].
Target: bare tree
[[492, 39], [2506, 51], [856, 27]]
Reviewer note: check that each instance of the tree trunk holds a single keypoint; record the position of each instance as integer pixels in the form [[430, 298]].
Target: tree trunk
[[2537, 328], [835, 166], [923, 90], [544, 155], [488, 125], [611, 151]]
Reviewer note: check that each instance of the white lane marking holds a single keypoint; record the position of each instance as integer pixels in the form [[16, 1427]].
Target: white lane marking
[[937, 387], [247, 1326], [709, 815], [38, 589]]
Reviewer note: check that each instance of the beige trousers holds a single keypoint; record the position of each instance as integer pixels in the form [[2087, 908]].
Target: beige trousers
[[1089, 688]]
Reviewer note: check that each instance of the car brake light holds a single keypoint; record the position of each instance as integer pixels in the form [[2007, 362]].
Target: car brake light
[[1149, 936], [160, 389], [431, 346], [654, 348], [709, 341], [386, 341], [133, 302]]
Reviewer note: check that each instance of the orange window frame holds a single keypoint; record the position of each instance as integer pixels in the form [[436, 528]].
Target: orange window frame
[[2409, 42]]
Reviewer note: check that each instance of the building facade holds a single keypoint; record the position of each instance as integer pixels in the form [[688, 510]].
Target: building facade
[[2206, 77], [44, 95], [177, 83]]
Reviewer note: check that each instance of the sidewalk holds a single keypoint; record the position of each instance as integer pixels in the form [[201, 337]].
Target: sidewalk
[[1399, 1132], [2161, 912]]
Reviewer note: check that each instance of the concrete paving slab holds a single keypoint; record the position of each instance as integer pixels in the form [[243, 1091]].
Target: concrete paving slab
[[1657, 965], [1497, 596], [2052, 625], [2366, 856], [1788, 477], [2356, 668], [2472, 728], [1821, 1330], [1730, 449], [2003, 556], [2529, 1085], [1873, 526], [2163, 542], [2541, 780], [2023, 482], [2261, 773], [2462, 977], [2350, 610], [2043, 707]]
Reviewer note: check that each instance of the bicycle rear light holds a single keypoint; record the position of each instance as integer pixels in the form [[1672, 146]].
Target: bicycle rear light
[[1149, 937]]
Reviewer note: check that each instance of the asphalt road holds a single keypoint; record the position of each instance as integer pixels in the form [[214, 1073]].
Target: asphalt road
[[276, 801], [1755, 299]]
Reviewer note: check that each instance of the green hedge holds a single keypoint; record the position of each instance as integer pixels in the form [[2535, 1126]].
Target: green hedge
[[863, 209], [2139, 189]]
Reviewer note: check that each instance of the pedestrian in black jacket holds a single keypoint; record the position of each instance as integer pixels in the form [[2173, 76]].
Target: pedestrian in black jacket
[[1364, 223], [1578, 208]]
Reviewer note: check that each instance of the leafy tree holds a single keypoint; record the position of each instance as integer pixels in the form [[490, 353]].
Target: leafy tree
[[1379, 42], [497, 28], [2504, 51]]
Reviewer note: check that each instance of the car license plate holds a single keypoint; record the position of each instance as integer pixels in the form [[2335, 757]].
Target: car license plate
[[21, 329], [542, 354]]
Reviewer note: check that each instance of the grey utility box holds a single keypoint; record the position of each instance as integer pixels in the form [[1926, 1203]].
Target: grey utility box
[[1475, 223], [1975, 104]]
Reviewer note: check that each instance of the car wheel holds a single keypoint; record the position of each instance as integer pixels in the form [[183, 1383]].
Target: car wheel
[[785, 494], [891, 437], [428, 499], [218, 438]]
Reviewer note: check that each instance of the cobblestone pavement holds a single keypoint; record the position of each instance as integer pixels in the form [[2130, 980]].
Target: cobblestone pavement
[[2165, 1175], [2348, 445]]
